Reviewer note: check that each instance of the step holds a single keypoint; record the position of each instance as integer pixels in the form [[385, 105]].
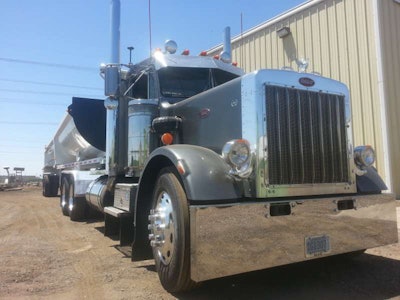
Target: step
[[116, 212]]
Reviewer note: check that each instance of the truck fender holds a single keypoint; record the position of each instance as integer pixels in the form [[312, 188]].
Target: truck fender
[[205, 178], [370, 182], [205, 174]]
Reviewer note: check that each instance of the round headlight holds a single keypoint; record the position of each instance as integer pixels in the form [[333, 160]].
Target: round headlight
[[364, 156], [236, 152]]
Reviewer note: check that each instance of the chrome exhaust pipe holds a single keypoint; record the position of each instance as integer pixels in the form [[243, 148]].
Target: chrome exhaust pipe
[[226, 54], [116, 132]]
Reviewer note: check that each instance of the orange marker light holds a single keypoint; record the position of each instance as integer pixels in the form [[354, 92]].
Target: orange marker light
[[216, 56], [234, 64], [167, 138], [186, 52], [181, 168], [203, 53]]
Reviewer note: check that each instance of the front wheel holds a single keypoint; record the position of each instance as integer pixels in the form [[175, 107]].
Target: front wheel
[[170, 234]]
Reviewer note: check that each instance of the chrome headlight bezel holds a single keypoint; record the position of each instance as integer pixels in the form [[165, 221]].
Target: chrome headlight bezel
[[237, 154], [364, 156]]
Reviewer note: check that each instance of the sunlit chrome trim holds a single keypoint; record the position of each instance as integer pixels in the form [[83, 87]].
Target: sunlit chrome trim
[[242, 237], [254, 129]]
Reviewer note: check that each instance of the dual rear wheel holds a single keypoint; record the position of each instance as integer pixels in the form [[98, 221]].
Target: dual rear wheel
[[74, 207]]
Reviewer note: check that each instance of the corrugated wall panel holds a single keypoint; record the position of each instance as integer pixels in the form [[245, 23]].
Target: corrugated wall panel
[[389, 17], [337, 36]]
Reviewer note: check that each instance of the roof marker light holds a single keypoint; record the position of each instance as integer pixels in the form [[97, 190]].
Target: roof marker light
[[203, 53], [185, 52], [216, 56]]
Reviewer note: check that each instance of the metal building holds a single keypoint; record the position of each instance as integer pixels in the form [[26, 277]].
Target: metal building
[[353, 41]]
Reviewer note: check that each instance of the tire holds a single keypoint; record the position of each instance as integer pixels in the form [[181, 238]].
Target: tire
[[50, 186], [171, 241], [76, 206], [64, 196], [46, 187]]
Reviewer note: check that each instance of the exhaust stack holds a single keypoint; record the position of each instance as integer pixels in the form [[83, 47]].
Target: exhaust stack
[[226, 54], [116, 133]]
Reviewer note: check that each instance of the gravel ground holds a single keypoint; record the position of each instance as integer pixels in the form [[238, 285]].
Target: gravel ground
[[43, 255]]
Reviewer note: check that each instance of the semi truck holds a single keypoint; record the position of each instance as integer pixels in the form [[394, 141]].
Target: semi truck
[[214, 172]]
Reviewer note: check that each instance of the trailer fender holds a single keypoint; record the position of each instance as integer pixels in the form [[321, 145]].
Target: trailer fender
[[370, 182]]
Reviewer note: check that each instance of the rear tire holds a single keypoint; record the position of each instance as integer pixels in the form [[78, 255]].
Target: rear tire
[[50, 185], [170, 239], [76, 206], [64, 196]]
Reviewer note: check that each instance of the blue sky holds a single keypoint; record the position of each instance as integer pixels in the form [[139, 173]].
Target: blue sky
[[70, 38]]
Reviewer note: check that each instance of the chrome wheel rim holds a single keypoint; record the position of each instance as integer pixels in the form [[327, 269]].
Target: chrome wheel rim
[[63, 200], [162, 228], [71, 198]]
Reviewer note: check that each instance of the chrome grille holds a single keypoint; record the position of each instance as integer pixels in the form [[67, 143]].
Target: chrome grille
[[306, 136]]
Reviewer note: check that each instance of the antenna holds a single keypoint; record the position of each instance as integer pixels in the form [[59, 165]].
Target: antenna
[[130, 48], [150, 25], [241, 39]]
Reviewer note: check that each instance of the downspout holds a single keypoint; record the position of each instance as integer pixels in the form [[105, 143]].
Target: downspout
[[382, 95]]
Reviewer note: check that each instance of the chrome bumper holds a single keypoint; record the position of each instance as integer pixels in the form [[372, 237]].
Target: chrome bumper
[[233, 239]]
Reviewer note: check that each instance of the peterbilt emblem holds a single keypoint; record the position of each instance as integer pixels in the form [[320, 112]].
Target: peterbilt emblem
[[204, 113], [306, 81]]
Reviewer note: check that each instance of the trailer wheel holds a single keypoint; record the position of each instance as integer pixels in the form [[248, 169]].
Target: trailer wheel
[[64, 195], [76, 206], [170, 234], [50, 185]]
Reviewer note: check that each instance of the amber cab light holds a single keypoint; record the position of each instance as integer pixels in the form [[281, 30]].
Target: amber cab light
[[167, 138], [186, 52]]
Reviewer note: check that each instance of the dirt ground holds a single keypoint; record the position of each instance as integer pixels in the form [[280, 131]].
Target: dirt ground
[[43, 255]]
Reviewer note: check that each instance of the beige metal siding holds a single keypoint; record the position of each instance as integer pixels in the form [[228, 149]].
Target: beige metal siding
[[337, 37], [389, 17]]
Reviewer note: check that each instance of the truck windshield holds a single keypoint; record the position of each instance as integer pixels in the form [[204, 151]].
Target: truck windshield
[[177, 82]]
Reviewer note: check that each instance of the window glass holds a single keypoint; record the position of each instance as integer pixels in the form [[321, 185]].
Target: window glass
[[221, 77], [176, 82], [140, 88]]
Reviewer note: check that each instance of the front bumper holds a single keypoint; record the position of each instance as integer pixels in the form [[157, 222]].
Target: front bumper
[[238, 238]]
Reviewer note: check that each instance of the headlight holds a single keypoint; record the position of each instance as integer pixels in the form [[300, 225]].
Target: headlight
[[237, 154], [364, 156]]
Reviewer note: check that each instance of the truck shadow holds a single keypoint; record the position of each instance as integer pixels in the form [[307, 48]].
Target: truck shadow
[[364, 277]]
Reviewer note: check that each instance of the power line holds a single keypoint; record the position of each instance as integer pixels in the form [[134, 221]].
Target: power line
[[50, 84], [21, 101], [27, 123], [47, 93], [24, 146], [53, 65]]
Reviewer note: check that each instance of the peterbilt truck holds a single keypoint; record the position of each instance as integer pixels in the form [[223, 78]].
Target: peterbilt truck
[[214, 172]]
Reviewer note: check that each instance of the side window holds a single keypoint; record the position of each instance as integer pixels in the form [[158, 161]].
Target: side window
[[140, 87], [221, 77], [152, 88]]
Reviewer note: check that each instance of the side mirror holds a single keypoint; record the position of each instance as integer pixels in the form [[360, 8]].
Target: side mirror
[[111, 80]]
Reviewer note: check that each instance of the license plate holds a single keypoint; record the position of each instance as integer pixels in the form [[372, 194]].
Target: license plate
[[317, 245]]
